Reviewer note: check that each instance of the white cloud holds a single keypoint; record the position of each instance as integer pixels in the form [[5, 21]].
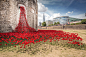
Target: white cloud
[[40, 17], [41, 7], [56, 15], [69, 12], [47, 16]]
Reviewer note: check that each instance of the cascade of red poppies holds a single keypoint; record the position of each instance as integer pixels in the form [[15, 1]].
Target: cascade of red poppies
[[23, 26]]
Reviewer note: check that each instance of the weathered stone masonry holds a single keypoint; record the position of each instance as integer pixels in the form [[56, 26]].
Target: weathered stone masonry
[[10, 12]]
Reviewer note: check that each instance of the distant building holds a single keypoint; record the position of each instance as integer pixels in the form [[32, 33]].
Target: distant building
[[39, 23], [74, 20], [48, 22], [66, 20], [43, 17], [62, 19]]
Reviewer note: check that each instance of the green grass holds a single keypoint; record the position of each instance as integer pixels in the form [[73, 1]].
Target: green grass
[[76, 23]]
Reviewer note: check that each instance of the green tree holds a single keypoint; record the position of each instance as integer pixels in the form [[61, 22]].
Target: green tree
[[83, 21], [78, 23], [72, 23], [55, 23], [58, 23], [44, 24], [52, 24]]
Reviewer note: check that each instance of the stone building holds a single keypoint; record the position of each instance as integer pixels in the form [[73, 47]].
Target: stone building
[[10, 13], [49, 22]]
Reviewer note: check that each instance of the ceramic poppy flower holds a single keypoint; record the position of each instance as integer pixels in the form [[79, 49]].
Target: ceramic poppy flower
[[11, 43], [5, 44], [14, 46], [0, 44], [0, 40]]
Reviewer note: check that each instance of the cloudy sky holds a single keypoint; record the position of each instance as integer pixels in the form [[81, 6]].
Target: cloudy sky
[[56, 8]]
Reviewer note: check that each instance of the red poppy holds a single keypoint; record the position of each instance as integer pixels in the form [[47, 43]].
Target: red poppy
[[5, 44], [0, 41], [21, 47], [37, 41], [14, 46], [24, 46], [0, 44], [7, 41], [79, 44], [0, 36], [54, 40], [10, 40], [44, 41], [11, 43], [69, 42], [50, 40]]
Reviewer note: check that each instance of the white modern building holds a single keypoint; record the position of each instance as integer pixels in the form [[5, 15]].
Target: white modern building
[[66, 20], [62, 20]]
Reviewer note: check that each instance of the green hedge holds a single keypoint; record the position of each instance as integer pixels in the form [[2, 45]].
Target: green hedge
[[83, 21]]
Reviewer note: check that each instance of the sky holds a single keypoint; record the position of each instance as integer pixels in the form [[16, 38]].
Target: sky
[[57, 8]]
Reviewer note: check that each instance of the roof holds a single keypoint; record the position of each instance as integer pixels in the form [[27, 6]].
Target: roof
[[61, 16]]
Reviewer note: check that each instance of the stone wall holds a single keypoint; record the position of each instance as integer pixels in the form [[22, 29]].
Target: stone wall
[[81, 26], [10, 13], [4, 19], [78, 27]]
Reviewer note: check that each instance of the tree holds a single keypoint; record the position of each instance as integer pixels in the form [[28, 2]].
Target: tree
[[49, 25], [55, 23], [58, 23], [52, 24], [83, 21], [44, 24]]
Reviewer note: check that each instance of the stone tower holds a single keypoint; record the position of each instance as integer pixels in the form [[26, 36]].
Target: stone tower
[[10, 12]]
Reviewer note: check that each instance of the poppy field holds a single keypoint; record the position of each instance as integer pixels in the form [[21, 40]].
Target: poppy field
[[24, 39]]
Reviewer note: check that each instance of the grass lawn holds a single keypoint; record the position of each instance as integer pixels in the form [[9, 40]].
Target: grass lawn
[[48, 49]]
